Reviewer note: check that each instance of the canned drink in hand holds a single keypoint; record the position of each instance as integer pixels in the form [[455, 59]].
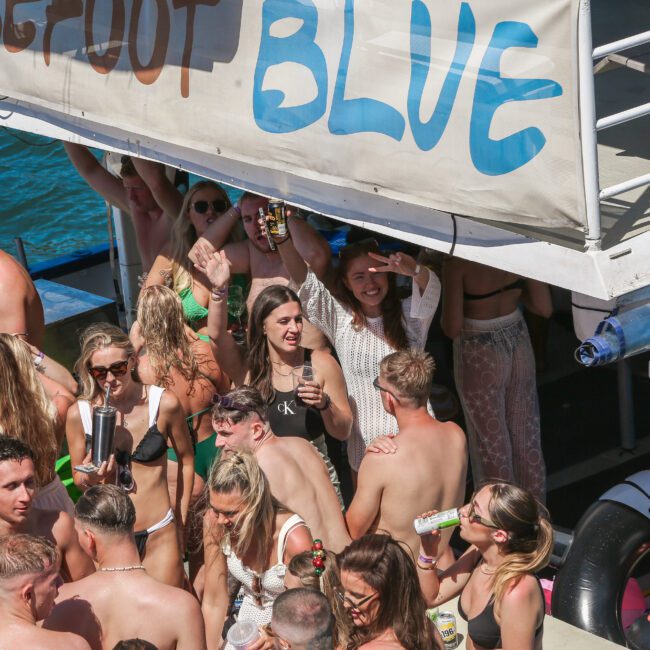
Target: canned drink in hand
[[267, 230], [446, 519], [446, 624], [277, 218]]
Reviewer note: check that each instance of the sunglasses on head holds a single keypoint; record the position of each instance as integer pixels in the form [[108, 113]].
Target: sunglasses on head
[[218, 205], [227, 403], [117, 369]]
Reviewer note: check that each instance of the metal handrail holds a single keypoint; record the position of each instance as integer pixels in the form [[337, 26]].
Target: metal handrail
[[623, 44], [625, 186], [623, 116]]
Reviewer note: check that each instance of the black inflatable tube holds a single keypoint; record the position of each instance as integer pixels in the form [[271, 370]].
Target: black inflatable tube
[[588, 591]]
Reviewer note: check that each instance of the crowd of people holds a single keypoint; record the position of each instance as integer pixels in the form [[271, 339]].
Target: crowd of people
[[221, 504]]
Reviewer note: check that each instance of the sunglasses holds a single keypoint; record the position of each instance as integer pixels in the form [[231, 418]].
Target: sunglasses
[[218, 205], [124, 474], [356, 605], [284, 644], [117, 369], [475, 518], [227, 403], [375, 383]]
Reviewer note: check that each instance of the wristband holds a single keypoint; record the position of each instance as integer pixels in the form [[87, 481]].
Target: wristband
[[427, 567], [328, 403], [418, 268], [39, 359], [425, 559], [218, 294]]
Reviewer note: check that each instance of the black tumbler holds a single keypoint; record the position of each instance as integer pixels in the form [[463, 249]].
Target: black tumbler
[[104, 418]]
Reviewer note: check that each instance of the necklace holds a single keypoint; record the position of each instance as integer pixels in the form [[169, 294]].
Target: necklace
[[282, 374], [487, 572], [111, 569]]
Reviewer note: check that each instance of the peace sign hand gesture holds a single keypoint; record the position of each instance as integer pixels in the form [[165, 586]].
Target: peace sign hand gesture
[[395, 263]]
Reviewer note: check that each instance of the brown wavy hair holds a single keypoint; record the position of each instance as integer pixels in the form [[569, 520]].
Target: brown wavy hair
[[391, 306], [160, 315], [259, 365], [388, 569], [530, 534], [26, 413], [301, 566]]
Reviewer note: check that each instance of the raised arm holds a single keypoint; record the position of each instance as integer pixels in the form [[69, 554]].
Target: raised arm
[[216, 236], [310, 245], [56, 379], [228, 354], [215, 597], [174, 423], [452, 297], [100, 179], [292, 260], [163, 190]]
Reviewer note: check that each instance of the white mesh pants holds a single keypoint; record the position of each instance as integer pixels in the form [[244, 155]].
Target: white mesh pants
[[495, 377]]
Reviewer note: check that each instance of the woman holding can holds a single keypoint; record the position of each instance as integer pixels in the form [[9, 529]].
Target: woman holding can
[[500, 597]]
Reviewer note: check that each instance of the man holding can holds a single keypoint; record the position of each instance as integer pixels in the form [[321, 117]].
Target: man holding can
[[428, 464]]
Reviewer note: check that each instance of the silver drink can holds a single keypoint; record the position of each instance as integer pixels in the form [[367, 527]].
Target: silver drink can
[[446, 624], [446, 519]]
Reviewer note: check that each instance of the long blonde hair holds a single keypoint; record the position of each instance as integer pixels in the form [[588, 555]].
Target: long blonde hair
[[93, 338], [239, 471], [183, 236], [160, 315], [530, 534], [26, 413]]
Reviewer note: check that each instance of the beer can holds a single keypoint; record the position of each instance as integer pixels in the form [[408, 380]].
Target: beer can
[[446, 519], [446, 624], [277, 218]]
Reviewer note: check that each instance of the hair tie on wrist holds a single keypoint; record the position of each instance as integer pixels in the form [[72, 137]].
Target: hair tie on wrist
[[318, 557]]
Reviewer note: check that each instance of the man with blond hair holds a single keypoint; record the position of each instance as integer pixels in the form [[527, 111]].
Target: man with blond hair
[[29, 583], [428, 467]]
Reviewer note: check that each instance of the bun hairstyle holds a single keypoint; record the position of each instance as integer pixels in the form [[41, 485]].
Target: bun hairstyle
[[530, 534]]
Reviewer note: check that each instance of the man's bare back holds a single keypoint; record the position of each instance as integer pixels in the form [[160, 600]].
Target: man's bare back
[[23, 635], [299, 479], [427, 471], [108, 607]]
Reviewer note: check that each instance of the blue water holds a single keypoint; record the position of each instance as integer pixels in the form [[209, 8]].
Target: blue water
[[43, 199]]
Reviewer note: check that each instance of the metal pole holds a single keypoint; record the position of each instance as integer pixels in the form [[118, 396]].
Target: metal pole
[[588, 136], [625, 404], [20, 251]]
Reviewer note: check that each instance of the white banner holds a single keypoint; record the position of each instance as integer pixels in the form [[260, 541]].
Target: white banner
[[465, 107]]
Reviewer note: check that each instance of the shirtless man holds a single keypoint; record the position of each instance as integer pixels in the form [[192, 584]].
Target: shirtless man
[[428, 467], [17, 488], [131, 195], [120, 601], [296, 472], [21, 310], [255, 258], [29, 583]]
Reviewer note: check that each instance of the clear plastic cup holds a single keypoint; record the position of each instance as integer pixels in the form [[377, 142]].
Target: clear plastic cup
[[243, 634]]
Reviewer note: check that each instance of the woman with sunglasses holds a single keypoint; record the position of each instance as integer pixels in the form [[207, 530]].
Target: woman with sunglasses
[[249, 536], [147, 418], [273, 354], [500, 597], [28, 414], [203, 204], [366, 321], [382, 597], [494, 369]]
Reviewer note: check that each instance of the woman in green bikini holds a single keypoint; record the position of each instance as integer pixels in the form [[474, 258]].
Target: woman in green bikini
[[203, 204]]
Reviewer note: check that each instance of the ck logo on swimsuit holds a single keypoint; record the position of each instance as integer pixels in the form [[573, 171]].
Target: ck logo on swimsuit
[[285, 407]]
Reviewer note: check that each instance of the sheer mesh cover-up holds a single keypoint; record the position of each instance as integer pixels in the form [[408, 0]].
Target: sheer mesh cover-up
[[495, 376]]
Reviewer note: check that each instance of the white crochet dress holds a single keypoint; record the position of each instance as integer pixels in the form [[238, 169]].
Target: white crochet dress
[[361, 351], [272, 580]]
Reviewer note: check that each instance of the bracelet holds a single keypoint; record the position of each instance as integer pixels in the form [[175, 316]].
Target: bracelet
[[39, 359], [425, 559], [328, 403], [430, 567], [218, 294], [282, 240]]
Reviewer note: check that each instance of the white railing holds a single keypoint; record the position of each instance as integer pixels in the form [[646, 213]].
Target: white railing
[[589, 126]]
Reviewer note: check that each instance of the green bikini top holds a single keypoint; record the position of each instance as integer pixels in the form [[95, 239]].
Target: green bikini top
[[193, 312]]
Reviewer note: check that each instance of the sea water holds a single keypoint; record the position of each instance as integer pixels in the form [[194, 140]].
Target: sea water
[[44, 201]]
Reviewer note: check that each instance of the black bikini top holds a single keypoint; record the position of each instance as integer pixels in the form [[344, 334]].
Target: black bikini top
[[517, 284], [484, 629], [152, 446]]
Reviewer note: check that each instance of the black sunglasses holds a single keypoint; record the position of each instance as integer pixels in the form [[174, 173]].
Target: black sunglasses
[[375, 383], [218, 205], [227, 403], [117, 369]]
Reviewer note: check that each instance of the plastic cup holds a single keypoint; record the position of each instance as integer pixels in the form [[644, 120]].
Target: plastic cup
[[243, 634], [301, 375]]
